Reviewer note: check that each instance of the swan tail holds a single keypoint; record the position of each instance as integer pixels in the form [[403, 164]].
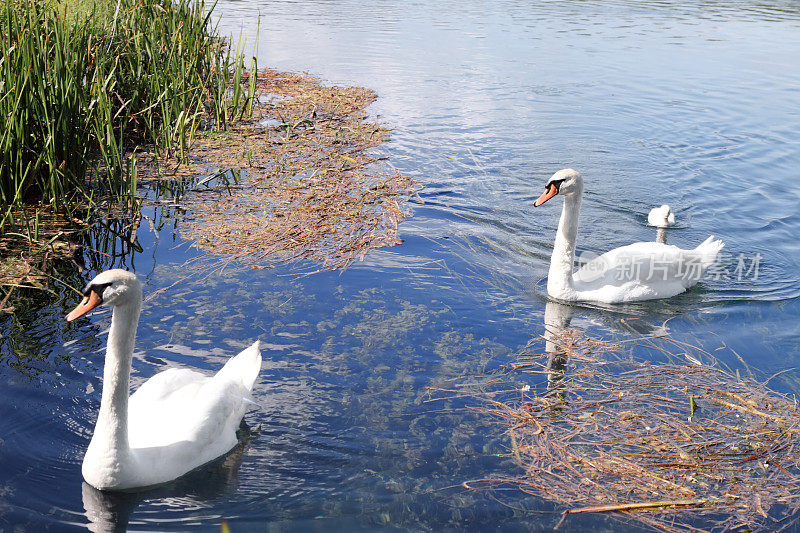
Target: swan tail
[[244, 367], [709, 250]]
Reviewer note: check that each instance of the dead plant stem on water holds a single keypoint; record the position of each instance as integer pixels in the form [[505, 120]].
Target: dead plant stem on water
[[675, 446], [310, 186]]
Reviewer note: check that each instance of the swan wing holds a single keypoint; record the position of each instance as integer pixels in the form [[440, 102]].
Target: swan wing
[[183, 408], [243, 368], [643, 271], [164, 409], [185, 429], [165, 383]]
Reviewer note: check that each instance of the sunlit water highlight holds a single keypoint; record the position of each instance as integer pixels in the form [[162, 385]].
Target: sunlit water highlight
[[654, 102]]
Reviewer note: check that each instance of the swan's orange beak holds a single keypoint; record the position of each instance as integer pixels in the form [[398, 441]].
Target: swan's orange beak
[[551, 191], [87, 304]]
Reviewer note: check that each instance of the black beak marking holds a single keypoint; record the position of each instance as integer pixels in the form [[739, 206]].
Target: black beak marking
[[97, 289]]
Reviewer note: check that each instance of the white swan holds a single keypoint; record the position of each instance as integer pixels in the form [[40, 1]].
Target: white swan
[[639, 271], [176, 421], [661, 217]]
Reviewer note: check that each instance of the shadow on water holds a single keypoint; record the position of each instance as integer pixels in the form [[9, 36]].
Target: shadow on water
[[109, 243], [173, 190]]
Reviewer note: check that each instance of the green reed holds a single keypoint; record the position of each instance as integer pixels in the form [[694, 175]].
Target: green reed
[[83, 84]]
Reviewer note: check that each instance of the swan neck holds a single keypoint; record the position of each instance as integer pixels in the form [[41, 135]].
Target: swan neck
[[559, 279], [112, 420], [661, 235]]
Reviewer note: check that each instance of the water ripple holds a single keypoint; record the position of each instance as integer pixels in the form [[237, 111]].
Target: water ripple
[[693, 104]]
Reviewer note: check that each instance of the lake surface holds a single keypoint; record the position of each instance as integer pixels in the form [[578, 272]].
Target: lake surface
[[691, 104]]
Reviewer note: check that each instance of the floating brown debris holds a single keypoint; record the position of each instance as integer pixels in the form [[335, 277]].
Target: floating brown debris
[[679, 447], [34, 237], [301, 179]]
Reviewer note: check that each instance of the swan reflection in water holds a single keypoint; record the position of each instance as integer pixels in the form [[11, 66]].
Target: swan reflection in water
[[110, 511], [557, 317]]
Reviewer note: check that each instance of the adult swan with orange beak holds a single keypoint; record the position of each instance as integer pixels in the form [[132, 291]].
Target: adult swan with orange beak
[[636, 272], [176, 421]]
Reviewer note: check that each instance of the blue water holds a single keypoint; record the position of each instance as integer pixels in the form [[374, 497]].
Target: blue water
[[690, 104]]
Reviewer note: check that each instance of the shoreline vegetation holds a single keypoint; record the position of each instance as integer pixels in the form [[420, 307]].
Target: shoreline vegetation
[[83, 85], [99, 99]]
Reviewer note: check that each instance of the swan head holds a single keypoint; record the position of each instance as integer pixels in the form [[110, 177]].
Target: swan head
[[113, 287], [661, 217], [566, 182]]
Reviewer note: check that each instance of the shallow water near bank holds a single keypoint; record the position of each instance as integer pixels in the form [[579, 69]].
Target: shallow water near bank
[[693, 105]]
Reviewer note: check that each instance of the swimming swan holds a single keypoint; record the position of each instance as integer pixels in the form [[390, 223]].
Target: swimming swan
[[176, 421], [661, 217], [639, 271]]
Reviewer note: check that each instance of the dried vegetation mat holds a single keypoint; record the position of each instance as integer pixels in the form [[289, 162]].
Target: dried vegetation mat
[[36, 238], [679, 447], [302, 179]]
